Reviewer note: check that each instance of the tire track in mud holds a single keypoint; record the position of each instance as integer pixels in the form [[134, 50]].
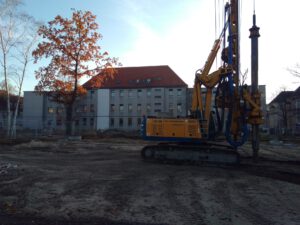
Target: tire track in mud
[[273, 171], [246, 211], [221, 193], [191, 214], [253, 217], [119, 193], [280, 201], [224, 194], [196, 200], [14, 190]]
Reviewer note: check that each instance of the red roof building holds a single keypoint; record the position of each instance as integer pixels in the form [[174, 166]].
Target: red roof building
[[119, 101], [138, 77]]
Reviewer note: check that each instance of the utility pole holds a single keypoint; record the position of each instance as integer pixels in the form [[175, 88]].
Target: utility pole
[[254, 35]]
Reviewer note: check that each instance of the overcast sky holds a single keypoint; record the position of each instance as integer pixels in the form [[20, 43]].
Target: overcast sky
[[180, 33]]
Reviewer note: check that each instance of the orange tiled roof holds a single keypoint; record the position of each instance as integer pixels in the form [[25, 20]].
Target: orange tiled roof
[[139, 77]]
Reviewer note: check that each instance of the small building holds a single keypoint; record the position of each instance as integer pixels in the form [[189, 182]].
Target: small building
[[284, 113]]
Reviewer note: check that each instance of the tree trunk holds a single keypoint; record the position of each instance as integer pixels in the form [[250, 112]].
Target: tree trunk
[[14, 122], [8, 110], [69, 120], [69, 110], [8, 96]]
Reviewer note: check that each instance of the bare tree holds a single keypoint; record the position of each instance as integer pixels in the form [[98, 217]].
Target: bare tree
[[282, 88], [8, 39], [295, 71], [11, 88], [243, 77], [23, 57], [16, 40], [283, 104]]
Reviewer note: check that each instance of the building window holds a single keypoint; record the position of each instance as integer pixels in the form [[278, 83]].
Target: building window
[[49, 123], [148, 92], [121, 93], [76, 122], [171, 107], [130, 93], [59, 110], [298, 110], [139, 93], [170, 92], [139, 107], [121, 107], [91, 122], [92, 94], [179, 92], [113, 93], [85, 108], [129, 107], [157, 110], [78, 109], [130, 122], [157, 97], [298, 104], [179, 108], [157, 104], [121, 122], [139, 121], [148, 108], [112, 107], [92, 109], [84, 121], [158, 90], [112, 122], [50, 110], [58, 122]]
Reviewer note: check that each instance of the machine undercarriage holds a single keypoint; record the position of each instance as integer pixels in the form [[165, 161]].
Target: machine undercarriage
[[191, 153]]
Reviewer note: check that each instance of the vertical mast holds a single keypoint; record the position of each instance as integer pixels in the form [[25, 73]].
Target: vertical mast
[[254, 35], [234, 22]]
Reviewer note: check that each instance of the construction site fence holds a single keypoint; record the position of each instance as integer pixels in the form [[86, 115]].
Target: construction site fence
[[36, 126]]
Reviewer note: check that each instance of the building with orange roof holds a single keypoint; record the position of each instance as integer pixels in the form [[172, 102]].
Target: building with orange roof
[[118, 102]]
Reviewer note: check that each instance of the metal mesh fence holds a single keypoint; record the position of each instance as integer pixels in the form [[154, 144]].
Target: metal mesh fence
[[86, 125]]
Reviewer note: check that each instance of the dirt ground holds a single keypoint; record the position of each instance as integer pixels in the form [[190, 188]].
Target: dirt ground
[[106, 182]]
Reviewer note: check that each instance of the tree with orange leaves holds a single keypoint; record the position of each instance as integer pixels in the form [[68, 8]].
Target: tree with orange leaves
[[71, 46]]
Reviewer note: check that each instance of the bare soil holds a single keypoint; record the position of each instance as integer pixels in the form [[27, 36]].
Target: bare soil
[[105, 181]]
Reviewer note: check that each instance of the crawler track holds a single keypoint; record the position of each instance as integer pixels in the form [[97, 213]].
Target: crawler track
[[202, 153]]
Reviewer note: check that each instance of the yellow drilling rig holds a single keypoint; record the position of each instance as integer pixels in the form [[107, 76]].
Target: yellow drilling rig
[[195, 138]]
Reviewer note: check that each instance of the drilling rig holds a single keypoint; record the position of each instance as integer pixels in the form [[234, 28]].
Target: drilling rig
[[226, 114]]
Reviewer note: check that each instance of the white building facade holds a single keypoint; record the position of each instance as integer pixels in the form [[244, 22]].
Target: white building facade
[[119, 103]]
